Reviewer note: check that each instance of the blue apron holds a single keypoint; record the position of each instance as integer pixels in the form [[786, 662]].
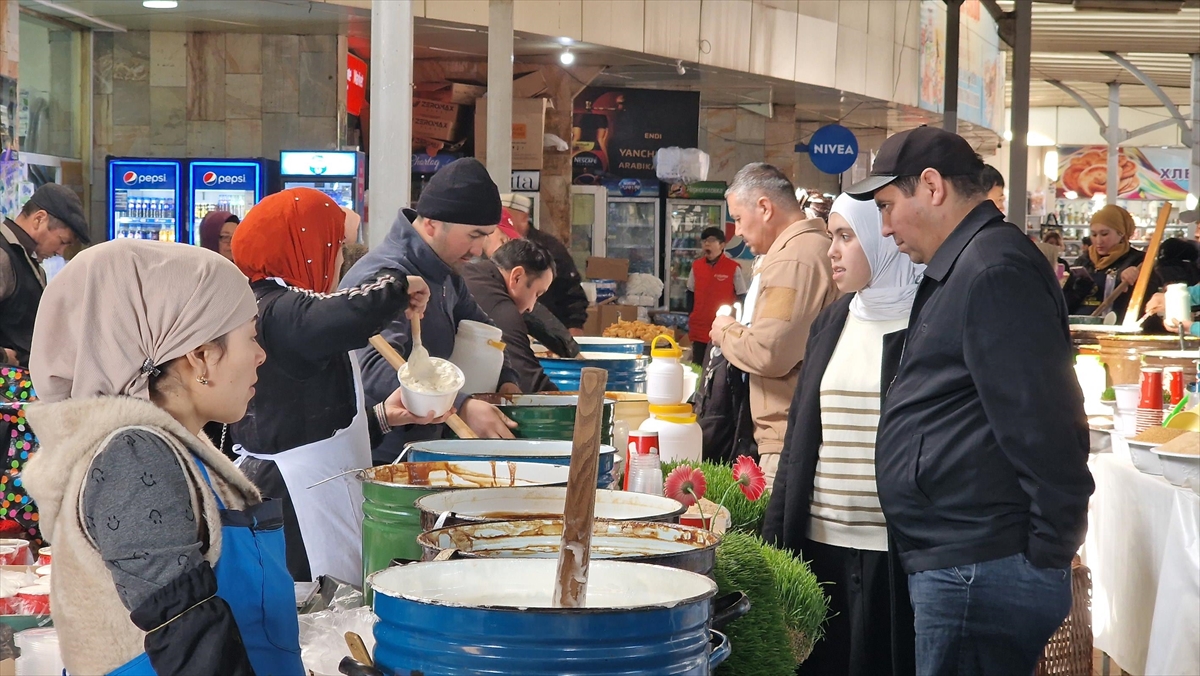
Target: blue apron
[[252, 577]]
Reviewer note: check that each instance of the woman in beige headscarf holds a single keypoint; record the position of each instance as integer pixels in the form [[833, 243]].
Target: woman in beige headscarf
[[166, 559], [1110, 261]]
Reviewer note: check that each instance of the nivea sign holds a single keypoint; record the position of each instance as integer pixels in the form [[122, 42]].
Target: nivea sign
[[833, 149]]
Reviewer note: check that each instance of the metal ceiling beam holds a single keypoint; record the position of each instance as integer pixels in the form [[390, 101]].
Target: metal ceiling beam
[[1082, 103], [1162, 96]]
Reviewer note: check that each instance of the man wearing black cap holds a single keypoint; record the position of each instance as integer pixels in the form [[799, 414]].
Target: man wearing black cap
[[50, 221], [456, 212], [714, 280], [981, 456]]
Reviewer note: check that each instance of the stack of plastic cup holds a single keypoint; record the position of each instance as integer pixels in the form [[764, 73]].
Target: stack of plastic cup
[[1150, 407]]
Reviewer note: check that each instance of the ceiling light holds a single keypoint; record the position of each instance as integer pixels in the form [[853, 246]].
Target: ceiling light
[[679, 67], [1191, 202], [1050, 165], [1071, 195], [566, 58], [160, 4], [565, 41]]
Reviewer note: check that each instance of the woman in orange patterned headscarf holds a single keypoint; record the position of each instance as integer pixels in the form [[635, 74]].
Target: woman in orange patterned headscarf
[[307, 421]]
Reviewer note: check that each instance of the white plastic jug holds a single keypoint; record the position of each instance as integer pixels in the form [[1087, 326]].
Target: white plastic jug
[[479, 352], [679, 435], [664, 375]]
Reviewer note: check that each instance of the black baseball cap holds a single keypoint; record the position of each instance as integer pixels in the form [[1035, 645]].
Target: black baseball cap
[[910, 152], [62, 203], [713, 232]]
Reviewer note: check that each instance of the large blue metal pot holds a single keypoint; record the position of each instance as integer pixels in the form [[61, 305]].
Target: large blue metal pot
[[626, 372], [496, 616], [515, 450], [617, 345]]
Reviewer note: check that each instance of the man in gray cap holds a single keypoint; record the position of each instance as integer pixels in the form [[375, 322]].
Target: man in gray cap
[[457, 211], [50, 221]]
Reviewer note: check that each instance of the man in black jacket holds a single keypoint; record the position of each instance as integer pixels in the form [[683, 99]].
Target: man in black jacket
[[565, 299], [981, 458]]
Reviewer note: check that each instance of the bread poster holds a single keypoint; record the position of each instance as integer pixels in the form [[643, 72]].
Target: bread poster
[[1144, 173]]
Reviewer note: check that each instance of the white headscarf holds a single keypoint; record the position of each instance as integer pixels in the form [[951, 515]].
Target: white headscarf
[[894, 277]]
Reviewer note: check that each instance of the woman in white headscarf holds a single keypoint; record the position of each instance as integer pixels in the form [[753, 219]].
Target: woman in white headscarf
[[824, 504]]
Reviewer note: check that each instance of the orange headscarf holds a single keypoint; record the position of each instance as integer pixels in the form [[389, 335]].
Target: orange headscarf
[[294, 235]]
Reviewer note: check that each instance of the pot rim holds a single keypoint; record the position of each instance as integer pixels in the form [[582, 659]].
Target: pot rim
[[679, 510], [429, 538]]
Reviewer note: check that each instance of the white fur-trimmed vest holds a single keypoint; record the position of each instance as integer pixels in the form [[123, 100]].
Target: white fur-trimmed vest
[[95, 633]]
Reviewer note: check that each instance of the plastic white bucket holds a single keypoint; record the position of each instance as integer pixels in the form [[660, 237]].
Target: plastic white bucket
[[479, 354]]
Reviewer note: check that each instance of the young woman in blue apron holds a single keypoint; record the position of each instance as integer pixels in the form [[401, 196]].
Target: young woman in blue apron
[[308, 421], [167, 560]]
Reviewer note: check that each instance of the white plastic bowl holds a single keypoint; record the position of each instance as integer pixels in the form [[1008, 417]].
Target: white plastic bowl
[[426, 403], [1128, 397], [1179, 468], [1144, 458]]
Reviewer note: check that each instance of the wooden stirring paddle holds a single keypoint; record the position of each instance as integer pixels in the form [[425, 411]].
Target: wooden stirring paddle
[[389, 353], [570, 586]]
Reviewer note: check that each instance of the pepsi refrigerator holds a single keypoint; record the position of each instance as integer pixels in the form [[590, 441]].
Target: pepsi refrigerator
[[146, 199], [232, 185], [337, 173]]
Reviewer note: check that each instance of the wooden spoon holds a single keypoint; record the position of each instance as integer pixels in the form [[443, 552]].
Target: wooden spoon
[[419, 362], [570, 586], [389, 353]]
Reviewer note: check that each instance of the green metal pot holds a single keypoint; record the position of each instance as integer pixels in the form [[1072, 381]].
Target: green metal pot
[[391, 523], [548, 415]]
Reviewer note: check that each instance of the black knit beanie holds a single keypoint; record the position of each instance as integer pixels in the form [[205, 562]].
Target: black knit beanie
[[463, 193]]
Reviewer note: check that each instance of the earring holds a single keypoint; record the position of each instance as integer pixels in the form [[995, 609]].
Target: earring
[[202, 380]]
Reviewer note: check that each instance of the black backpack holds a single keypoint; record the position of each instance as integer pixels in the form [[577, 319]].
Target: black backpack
[[723, 410]]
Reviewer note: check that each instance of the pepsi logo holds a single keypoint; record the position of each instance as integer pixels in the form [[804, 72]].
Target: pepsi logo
[[210, 178], [130, 177]]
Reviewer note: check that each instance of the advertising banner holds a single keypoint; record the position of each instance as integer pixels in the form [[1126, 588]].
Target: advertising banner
[[980, 64], [616, 132], [1145, 173]]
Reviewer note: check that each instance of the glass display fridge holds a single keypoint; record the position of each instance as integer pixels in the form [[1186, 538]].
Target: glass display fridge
[[337, 173], [587, 221], [686, 219], [145, 199], [632, 232], [226, 185]]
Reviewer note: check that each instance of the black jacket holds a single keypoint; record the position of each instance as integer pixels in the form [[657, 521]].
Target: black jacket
[[1084, 292], [487, 285], [19, 309], [983, 443], [565, 297], [787, 517]]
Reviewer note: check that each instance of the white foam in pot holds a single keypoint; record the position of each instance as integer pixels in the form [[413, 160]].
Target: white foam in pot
[[616, 505], [529, 583]]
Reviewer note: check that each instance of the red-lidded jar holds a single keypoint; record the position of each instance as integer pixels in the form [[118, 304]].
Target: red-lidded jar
[[641, 442], [1173, 375]]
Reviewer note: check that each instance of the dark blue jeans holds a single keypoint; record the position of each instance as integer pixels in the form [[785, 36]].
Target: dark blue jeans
[[993, 617]]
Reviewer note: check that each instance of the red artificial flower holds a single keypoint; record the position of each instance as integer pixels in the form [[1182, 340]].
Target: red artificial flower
[[749, 477], [685, 484]]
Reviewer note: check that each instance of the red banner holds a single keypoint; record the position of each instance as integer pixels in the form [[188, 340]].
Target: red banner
[[356, 84]]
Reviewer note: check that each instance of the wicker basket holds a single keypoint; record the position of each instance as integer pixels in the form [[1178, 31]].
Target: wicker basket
[[1069, 651]]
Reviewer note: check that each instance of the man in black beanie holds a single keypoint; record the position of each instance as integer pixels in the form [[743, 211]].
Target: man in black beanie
[[457, 210]]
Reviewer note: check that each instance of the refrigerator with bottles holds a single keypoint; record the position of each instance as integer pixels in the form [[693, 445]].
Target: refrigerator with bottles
[[631, 232], [232, 185], [146, 199], [686, 219]]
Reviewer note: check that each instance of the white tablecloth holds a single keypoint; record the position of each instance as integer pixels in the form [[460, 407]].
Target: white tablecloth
[[1143, 547]]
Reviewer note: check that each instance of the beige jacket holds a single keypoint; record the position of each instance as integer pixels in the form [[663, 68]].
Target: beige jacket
[[95, 633], [795, 284]]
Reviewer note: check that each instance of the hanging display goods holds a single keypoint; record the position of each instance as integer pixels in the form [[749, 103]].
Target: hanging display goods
[[1144, 173], [618, 131]]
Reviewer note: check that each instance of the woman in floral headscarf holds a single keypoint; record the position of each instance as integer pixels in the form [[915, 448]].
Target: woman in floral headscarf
[[307, 421]]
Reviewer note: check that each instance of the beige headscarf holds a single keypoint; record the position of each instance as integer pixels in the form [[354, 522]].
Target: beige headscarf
[[122, 307]]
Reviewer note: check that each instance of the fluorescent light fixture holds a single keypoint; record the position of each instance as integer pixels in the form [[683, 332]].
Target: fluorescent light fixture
[[160, 4], [1050, 165], [565, 41], [566, 58]]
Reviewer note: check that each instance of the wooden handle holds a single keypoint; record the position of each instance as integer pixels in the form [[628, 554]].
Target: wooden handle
[[1110, 299], [1143, 280], [570, 587], [416, 330], [358, 649], [389, 353]]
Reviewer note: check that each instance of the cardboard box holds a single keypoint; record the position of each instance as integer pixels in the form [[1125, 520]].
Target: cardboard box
[[528, 128], [600, 317], [529, 85], [461, 93], [436, 120], [608, 268]]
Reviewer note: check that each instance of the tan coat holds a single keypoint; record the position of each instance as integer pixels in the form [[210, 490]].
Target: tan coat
[[95, 633], [795, 284]]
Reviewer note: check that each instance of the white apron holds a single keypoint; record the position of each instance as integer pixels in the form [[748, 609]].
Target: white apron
[[330, 515]]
